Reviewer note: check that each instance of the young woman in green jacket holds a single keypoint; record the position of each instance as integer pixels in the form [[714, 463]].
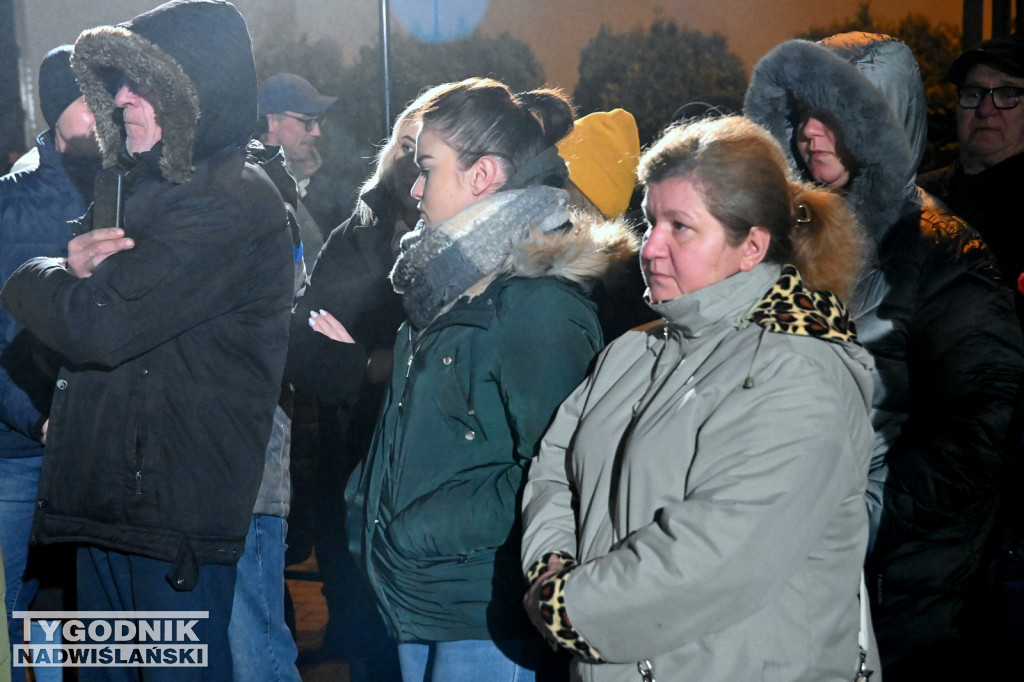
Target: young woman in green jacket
[[494, 281]]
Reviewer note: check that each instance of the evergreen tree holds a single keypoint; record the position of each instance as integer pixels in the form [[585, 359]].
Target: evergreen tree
[[651, 73]]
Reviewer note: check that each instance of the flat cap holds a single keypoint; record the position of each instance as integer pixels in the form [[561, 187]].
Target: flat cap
[[1002, 54]]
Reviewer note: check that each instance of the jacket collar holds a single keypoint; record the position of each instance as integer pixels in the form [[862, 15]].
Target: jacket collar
[[790, 307], [381, 199], [730, 300]]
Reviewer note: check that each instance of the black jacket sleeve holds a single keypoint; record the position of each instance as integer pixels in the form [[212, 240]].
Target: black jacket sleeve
[[330, 370], [964, 362]]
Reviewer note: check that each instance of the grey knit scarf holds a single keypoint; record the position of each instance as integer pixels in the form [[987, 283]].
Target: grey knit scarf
[[438, 264]]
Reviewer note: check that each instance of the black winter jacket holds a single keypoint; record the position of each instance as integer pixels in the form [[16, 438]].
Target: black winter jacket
[[350, 281], [175, 348], [988, 201], [941, 327]]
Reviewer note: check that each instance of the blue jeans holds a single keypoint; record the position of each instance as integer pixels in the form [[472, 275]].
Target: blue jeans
[[112, 581], [262, 647], [19, 483], [470, 659]]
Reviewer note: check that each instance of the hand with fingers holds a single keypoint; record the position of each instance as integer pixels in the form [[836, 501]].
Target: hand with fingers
[[87, 251], [323, 322], [532, 599]]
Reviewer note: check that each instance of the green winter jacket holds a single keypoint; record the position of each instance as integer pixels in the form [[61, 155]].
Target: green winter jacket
[[470, 397]]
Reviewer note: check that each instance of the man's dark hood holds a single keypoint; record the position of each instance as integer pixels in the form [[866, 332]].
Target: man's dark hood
[[197, 57]]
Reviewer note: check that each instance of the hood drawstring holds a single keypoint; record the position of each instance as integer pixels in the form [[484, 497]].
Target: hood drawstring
[[749, 381]]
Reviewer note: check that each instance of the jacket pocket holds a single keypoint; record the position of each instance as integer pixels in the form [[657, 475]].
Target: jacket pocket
[[58, 409], [141, 435], [454, 395]]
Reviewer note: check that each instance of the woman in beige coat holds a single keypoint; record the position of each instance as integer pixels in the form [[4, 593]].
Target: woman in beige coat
[[696, 509]]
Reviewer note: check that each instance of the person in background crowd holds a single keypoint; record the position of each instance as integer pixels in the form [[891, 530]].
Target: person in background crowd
[[602, 152], [293, 112], [349, 379], [982, 185], [164, 403], [262, 646], [36, 205], [493, 281], [929, 306], [696, 508]]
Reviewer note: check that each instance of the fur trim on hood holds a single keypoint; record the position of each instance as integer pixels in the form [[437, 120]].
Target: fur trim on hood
[[196, 55], [580, 254], [891, 67], [799, 71]]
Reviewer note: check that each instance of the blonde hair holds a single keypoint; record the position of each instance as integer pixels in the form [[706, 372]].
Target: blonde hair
[[385, 158], [828, 242]]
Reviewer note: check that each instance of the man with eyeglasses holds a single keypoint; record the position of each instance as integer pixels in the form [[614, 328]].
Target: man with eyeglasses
[[984, 184], [293, 112]]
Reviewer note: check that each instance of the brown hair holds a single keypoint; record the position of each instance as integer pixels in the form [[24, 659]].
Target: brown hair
[[483, 117], [744, 180]]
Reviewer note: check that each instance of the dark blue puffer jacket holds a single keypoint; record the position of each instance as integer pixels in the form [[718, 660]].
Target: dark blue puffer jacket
[[35, 207]]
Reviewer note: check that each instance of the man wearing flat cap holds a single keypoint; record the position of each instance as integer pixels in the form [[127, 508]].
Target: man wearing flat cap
[[294, 111], [983, 185]]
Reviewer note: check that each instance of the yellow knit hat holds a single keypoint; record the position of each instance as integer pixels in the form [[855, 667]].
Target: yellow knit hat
[[602, 152]]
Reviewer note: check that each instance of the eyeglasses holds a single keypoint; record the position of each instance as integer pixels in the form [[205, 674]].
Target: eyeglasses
[[971, 96], [309, 122]]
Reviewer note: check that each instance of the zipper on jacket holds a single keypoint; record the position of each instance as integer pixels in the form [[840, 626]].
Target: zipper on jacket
[[140, 458], [413, 349]]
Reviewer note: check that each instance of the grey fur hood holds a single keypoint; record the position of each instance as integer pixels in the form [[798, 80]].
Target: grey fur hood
[[197, 57], [870, 85]]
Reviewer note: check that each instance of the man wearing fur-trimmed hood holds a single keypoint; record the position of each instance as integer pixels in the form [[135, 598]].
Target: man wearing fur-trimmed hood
[[174, 328], [928, 304]]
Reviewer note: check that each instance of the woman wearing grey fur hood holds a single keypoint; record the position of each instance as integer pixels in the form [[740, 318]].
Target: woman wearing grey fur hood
[[929, 305]]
